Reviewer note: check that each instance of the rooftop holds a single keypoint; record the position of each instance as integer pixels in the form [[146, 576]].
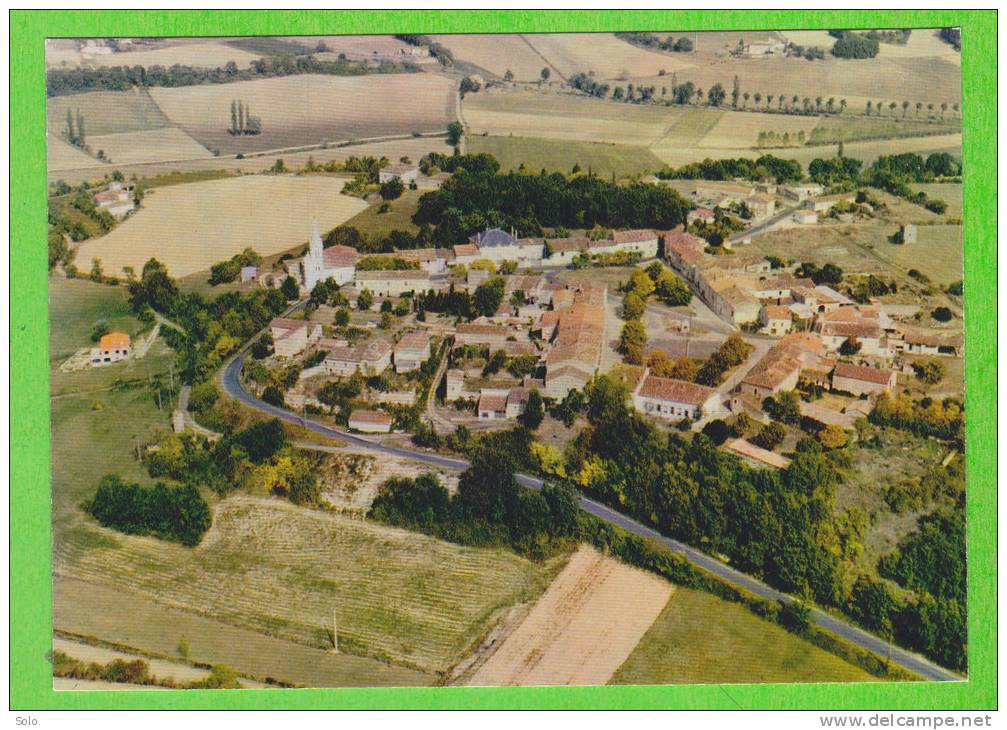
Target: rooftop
[[859, 372], [677, 391]]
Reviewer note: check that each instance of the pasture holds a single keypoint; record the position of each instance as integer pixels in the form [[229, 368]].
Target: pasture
[[938, 252], [105, 112], [151, 145], [311, 109], [190, 227], [553, 155], [699, 638], [283, 570], [604, 54]]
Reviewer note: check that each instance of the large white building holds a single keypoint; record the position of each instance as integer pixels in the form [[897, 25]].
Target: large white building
[[320, 263]]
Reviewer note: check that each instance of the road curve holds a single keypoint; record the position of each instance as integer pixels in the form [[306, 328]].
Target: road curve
[[231, 381]]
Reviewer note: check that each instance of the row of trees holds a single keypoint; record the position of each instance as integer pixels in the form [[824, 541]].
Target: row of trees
[[766, 167], [651, 40], [61, 81], [242, 120], [176, 513]]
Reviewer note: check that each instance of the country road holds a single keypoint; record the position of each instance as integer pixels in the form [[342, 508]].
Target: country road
[[230, 378]]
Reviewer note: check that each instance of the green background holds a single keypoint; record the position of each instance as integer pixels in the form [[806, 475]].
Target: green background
[[30, 539]]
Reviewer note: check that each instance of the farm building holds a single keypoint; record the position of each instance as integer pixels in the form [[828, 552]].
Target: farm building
[[320, 263], [860, 380], [493, 335], [293, 336], [454, 385], [806, 217], [117, 199], [400, 170], [825, 203], [802, 191], [819, 299], [370, 421], [762, 205], [723, 193], [249, 273], [492, 404], [562, 251], [392, 283], [112, 347], [869, 326], [579, 336], [780, 368], [465, 253], [431, 260], [411, 351], [643, 242], [699, 214], [672, 399], [922, 344], [370, 357], [498, 245]]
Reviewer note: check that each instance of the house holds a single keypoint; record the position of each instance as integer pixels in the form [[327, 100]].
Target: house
[[498, 246], [392, 283], [493, 335], [672, 399], [403, 171], [806, 217], [762, 205], [704, 215], [562, 251], [432, 260], [370, 421], [860, 380], [112, 347], [465, 253], [579, 336], [825, 203], [917, 343], [780, 368], [517, 401], [249, 273], [320, 263], [819, 299], [907, 233], [117, 199], [776, 320], [643, 242], [492, 404], [411, 351], [874, 330], [802, 191], [293, 336], [369, 358]]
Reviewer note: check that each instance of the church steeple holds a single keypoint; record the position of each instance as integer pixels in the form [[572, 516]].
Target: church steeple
[[314, 261]]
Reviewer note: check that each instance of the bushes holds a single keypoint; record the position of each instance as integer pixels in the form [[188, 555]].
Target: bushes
[[943, 419], [172, 513]]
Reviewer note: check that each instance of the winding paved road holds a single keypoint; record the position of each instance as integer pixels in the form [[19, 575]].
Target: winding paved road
[[231, 381]]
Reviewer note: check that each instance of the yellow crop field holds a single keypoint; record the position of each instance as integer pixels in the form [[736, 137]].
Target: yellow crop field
[[740, 130], [604, 54], [189, 227], [61, 155], [497, 54], [310, 109], [151, 145], [284, 571]]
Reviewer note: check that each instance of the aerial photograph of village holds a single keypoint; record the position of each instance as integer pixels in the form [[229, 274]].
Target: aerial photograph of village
[[623, 358]]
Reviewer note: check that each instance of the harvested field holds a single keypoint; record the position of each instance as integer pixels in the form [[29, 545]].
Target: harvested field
[[310, 109], [152, 145], [582, 628], [950, 193], [938, 252], [691, 126], [62, 155], [90, 609], [554, 155], [213, 54], [603, 53], [736, 130], [282, 570], [496, 53], [190, 227], [700, 638], [105, 112]]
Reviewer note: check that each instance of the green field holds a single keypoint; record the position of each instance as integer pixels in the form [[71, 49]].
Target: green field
[[700, 638], [840, 128], [561, 155], [106, 112], [400, 218]]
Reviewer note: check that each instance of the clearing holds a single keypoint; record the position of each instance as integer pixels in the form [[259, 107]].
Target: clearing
[[151, 145], [535, 154], [582, 628], [699, 638], [398, 218], [190, 227], [310, 109]]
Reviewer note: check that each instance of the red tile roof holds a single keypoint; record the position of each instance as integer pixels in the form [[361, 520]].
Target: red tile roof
[[859, 372], [677, 391]]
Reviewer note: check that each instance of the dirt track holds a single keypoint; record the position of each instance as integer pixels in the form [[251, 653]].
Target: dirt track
[[582, 628]]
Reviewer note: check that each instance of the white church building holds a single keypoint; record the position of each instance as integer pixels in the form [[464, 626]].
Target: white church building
[[319, 263]]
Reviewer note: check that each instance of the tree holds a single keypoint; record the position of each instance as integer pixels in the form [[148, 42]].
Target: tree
[[671, 290], [833, 437], [508, 75], [632, 341], [715, 96], [290, 289], [488, 296], [633, 306], [81, 135], [534, 411], [544, 74], [234, 117], [640, 283], [487, 489], [735, 93], [365, 300], [930, 371], [850, 347], [342, 317], [905, 108], [942, 314], [392, 189], [770, 435], [273, 396], [717, 430], [784, 406], [455, 132]]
